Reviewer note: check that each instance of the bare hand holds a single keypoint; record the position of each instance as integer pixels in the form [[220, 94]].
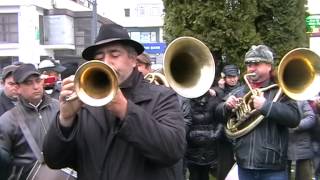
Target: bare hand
[[119, 105], [232, 102], [212, 92], [68, 109], [258, 100], [221, 83]]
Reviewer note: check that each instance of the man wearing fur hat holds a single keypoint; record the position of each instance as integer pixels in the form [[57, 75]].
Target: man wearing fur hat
[[261, 152], [139, 135]]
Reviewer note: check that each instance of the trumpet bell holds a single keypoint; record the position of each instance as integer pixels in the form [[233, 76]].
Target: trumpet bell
[[189, 67], [95, 83], [299, 74]]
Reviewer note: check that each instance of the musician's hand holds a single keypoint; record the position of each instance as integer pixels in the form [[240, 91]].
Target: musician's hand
[[212, 92], [119, 105], [221, 83], [68, 109], [258, 100], [231, 102]]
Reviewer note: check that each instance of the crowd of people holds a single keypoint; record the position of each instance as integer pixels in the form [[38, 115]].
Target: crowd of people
[[149, 131]]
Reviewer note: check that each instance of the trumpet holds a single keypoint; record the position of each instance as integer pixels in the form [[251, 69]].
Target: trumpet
[[95, 83]]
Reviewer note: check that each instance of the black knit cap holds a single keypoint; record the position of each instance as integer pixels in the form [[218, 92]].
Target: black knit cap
[[231, 70], [111, 33]]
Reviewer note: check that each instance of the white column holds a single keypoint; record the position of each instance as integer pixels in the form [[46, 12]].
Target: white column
[[28, 19]]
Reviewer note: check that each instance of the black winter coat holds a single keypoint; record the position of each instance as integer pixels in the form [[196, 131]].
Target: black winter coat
[[5, 103], [202, 134], [145, 145]]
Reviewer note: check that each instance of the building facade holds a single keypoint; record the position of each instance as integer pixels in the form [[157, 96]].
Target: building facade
[[32, 30], [143, 19]]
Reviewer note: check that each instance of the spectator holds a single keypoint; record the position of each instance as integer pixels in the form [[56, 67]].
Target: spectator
[[299, 146], [37, 111], [144, 63], [201, 154], [51, 71], [229, 81], [9, 95]]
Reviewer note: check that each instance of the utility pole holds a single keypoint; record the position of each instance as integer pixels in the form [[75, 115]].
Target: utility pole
[[93, 20]]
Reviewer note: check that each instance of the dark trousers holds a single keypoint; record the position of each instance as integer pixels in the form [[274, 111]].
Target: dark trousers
[[225, 159], [303, 170], [198, 172], [252, 174]]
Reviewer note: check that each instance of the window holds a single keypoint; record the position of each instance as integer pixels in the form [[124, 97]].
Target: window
[[144, 37], [141, 11], [127, 12], [9, 28]]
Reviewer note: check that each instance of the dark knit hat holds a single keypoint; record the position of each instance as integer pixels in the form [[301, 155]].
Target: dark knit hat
[[230, 70], [111, 33], [260, 53]]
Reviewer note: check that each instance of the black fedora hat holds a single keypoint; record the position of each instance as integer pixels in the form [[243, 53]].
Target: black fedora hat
[[111, 33]]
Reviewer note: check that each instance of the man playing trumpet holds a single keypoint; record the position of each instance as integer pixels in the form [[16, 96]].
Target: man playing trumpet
[[261, 153], [139, 135]]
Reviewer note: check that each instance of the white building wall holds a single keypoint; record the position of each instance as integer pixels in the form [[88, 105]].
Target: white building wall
[[143, 13], [28, 19], [29, 49]]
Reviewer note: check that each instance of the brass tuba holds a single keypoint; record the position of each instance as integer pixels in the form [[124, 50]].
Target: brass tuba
[[297, 76], [95, 83], [189, 67], [157, 78]]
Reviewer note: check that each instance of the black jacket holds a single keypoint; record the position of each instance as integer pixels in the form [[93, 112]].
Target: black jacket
[[145, 145], [13, 142], [265, 147], [203, 131], [5, 103]]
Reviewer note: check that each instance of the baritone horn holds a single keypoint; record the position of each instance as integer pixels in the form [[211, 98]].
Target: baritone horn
[[189, 67], [297, 76], [95, 83]]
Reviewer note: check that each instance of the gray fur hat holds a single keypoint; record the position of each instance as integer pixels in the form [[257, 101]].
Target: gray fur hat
[[259, 53]]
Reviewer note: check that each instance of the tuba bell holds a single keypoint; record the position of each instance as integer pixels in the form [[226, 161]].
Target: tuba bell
[[156, 78], [297, 76], [95, 83], [189, 67]]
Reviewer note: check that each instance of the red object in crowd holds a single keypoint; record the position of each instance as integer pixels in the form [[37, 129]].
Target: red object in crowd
[[50, 81]]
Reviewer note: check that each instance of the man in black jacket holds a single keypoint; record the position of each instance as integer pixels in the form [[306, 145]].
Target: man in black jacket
[[37, 111], [261, 153], [8, 96], [229, 81], [139, 135]]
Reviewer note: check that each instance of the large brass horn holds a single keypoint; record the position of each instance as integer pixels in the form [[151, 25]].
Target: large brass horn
[[297, 76], [95, 83], [189, 67]]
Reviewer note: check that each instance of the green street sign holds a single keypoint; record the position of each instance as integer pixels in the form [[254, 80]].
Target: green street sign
[[313, 24]]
